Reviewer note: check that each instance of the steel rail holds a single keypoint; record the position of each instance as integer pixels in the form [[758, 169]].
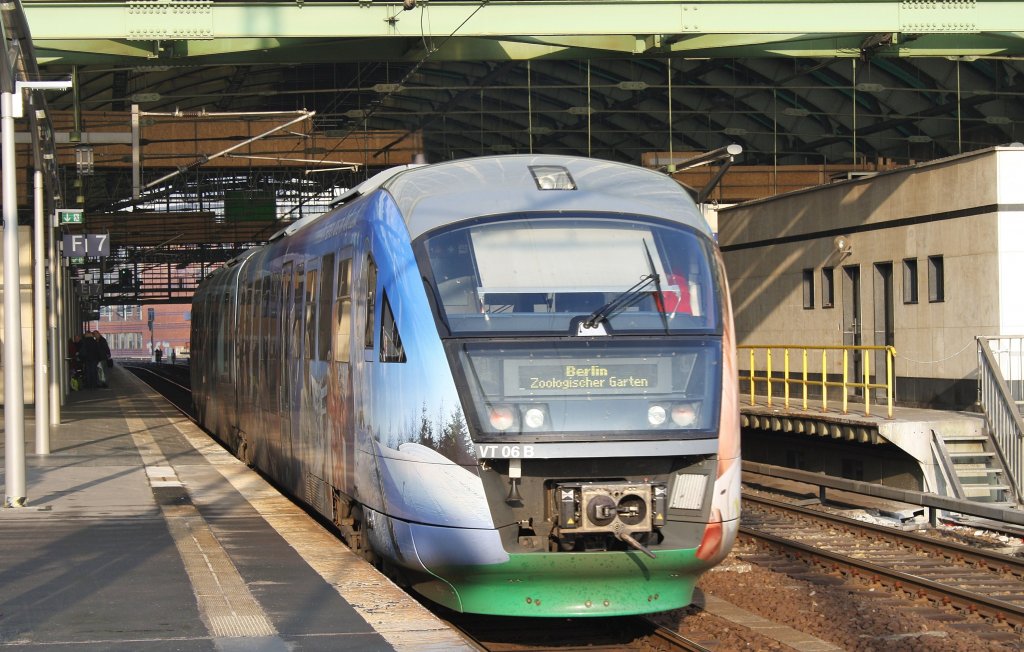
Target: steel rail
[[971, 601], [946, 548], [675, 639]]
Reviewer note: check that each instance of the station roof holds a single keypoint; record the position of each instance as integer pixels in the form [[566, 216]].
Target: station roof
[[792, 82], [805, 87]]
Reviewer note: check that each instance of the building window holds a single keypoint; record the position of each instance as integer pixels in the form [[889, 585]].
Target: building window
[[828, 287], [936, 280], [808, 285], [910, 280]]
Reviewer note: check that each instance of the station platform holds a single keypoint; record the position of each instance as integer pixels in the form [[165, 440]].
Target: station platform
[[954, 450], [872, 425], [141, 533]]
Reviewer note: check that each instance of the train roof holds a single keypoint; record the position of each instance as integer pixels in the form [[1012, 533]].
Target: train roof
[[430, 196]]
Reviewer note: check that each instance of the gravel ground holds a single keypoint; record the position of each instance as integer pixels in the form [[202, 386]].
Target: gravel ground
[[848, 615]]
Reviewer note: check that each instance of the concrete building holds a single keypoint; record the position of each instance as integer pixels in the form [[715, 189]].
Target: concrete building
[[924, 258]]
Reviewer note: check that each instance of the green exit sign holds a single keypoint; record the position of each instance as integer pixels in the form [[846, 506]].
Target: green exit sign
[[69, 216]]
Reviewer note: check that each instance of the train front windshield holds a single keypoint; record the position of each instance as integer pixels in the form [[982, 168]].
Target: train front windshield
[[587, 324]]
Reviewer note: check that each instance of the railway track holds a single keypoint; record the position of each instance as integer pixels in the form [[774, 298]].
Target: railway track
[[986, 588], [503, 634], [170, 381]]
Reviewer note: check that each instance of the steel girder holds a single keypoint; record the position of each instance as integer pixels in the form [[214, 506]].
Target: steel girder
[[204, 31]]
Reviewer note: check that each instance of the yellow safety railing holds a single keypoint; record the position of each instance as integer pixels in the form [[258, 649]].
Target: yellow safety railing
[[764, 355]]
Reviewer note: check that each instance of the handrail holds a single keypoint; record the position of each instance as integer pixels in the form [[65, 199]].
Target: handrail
[[947, 470], [1000, 409], [932, 502], [845, 383]]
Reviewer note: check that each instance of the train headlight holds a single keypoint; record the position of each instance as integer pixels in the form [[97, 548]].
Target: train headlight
[[502, 417], [534, 418], [656, 415], [552, 177], [684, 415]]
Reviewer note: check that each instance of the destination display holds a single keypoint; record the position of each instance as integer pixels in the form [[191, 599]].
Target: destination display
[[619, 376]]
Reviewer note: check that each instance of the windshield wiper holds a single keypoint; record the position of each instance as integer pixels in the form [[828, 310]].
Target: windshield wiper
[[660, 296], [621, 302], [630, 297]]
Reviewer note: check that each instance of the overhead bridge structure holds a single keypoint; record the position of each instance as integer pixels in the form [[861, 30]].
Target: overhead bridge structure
[[177, 106], [213, 32]]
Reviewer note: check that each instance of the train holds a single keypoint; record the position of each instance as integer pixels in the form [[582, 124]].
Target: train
[[509, 381]]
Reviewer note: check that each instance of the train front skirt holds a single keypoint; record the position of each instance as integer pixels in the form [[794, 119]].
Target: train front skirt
[[467, 570], [559, 584]]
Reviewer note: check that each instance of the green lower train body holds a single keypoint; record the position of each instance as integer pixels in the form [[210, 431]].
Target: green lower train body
[[559, 584]]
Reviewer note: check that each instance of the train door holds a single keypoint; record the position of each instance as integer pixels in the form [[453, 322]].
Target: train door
[[852, 320], [270, 383], [339, 396], [367, 482], [283, 394], [293, 378], [885, 326], [245, 352]]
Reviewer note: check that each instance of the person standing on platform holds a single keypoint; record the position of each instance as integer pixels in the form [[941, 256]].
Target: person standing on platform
[[174, 355], [90, 355], [75, 362], [105, 360], [159, 354]]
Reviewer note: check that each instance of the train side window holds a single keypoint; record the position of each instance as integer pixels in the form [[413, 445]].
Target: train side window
[[296, 312], [371, 299], [252, 329], [265, 338], [274, 311], [828, 287], [391, 349], [242, 334], [327, 273], [312, 287], [223, 354], [343, 314]]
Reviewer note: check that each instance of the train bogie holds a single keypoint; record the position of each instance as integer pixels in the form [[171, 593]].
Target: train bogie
[[509, 379]]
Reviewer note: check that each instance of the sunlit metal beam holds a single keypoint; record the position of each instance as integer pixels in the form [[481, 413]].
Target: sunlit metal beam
[[79, 32]]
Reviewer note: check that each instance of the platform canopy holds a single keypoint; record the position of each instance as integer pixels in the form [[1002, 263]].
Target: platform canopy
[[811, 90], [794, 83]]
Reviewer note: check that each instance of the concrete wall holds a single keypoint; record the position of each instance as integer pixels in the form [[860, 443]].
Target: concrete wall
[[963, 208], [1009, 173]]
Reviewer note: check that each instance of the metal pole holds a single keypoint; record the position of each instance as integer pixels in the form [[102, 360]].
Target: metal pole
[[53, 328], [136, 154], [41, 391], [14, 389], [63, 323]]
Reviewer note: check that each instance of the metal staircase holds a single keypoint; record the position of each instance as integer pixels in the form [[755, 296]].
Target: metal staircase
[[994, 468], [974, 470]]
